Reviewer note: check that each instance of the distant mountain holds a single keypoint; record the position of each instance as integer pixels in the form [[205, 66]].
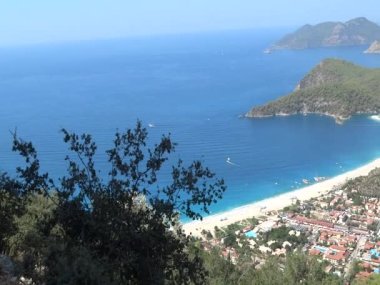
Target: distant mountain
[[374, 47], [358, 31], [335, 88]]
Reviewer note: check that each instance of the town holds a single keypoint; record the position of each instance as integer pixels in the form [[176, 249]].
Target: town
[[340, 229]]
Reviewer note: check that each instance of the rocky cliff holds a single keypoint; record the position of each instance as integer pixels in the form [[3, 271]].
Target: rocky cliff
[[374, 47]]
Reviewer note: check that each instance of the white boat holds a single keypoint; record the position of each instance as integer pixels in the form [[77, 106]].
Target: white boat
[[319, 178], [230, 162], [375, 117], [267, 51], [151, 125], [305, 181]]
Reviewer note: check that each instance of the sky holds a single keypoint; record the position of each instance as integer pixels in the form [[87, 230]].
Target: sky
[[38, 21]]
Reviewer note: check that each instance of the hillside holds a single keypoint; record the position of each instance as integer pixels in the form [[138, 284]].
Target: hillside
[[335, 88], [358, 31], [365, 185], [374, 47]]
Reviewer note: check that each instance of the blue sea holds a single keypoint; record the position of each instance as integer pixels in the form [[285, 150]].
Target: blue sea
[[195, 87]]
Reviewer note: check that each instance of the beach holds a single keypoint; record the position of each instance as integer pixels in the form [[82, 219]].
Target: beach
[[258, 208]]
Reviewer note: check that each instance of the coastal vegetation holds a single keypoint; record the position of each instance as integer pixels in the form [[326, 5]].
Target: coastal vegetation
[[367, 186], [296, 268], [125, 229], [90, 228], [358, 31], [335, 88]]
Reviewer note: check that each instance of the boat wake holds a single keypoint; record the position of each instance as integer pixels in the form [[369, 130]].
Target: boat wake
[[230, 162]]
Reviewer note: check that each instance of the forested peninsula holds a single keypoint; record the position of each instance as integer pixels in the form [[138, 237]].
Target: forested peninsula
[[334, 88]]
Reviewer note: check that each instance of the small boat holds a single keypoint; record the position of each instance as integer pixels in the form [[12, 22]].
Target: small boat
[[305, 181], [319, 178], [151, 125], [375, 117], [267, 51], [230, 162]]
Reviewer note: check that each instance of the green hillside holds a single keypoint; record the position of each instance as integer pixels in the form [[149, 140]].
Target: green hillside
[[334, 87], [365, 185]]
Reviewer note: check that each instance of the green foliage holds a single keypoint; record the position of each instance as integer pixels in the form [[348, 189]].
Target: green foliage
[[10, 206], [253, 221], [295, 269], [88, 230], [292, 208], [220, 271], [281, 234], [93, 229], [35, 232], [373, 226], [367, 186], [372, 280], [355, 269], [230, 239]]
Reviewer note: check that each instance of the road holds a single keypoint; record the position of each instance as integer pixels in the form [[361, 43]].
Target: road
[[354, 255]]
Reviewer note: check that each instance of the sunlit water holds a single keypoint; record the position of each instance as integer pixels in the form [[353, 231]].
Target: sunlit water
[[194, 87]]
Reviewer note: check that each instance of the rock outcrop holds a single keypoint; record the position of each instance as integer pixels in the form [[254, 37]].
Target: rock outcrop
[[374, 47]]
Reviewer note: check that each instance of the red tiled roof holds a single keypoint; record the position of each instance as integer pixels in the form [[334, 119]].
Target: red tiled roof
[[363, 274], [247, 228], [366, 265], [368, 245], [338, 256], [338, 248], [351, 238], [313, 222], [314, 251]]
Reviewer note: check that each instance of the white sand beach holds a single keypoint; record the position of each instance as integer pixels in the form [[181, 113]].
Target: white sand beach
[[275, 203]]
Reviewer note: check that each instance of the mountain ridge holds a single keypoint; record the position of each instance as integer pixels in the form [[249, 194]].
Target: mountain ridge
[[357, 31]]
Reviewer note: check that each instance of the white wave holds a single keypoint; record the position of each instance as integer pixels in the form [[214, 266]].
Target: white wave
[[375, 118]]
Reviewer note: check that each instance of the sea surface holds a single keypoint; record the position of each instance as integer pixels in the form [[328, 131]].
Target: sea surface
[[195, 87]]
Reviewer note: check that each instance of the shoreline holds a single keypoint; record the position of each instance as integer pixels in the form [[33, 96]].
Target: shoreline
[[275, 203]]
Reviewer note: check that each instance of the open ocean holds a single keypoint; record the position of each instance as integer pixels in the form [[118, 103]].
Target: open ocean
[[193, 86]]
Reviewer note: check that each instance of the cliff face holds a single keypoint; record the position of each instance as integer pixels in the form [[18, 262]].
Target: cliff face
[[334, 87], [359, 31], [374, 47]]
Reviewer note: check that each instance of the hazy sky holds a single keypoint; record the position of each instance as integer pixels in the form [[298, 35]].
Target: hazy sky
[[30, 21]]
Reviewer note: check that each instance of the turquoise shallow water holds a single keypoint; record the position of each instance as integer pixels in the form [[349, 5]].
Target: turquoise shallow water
[[193, 86]]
